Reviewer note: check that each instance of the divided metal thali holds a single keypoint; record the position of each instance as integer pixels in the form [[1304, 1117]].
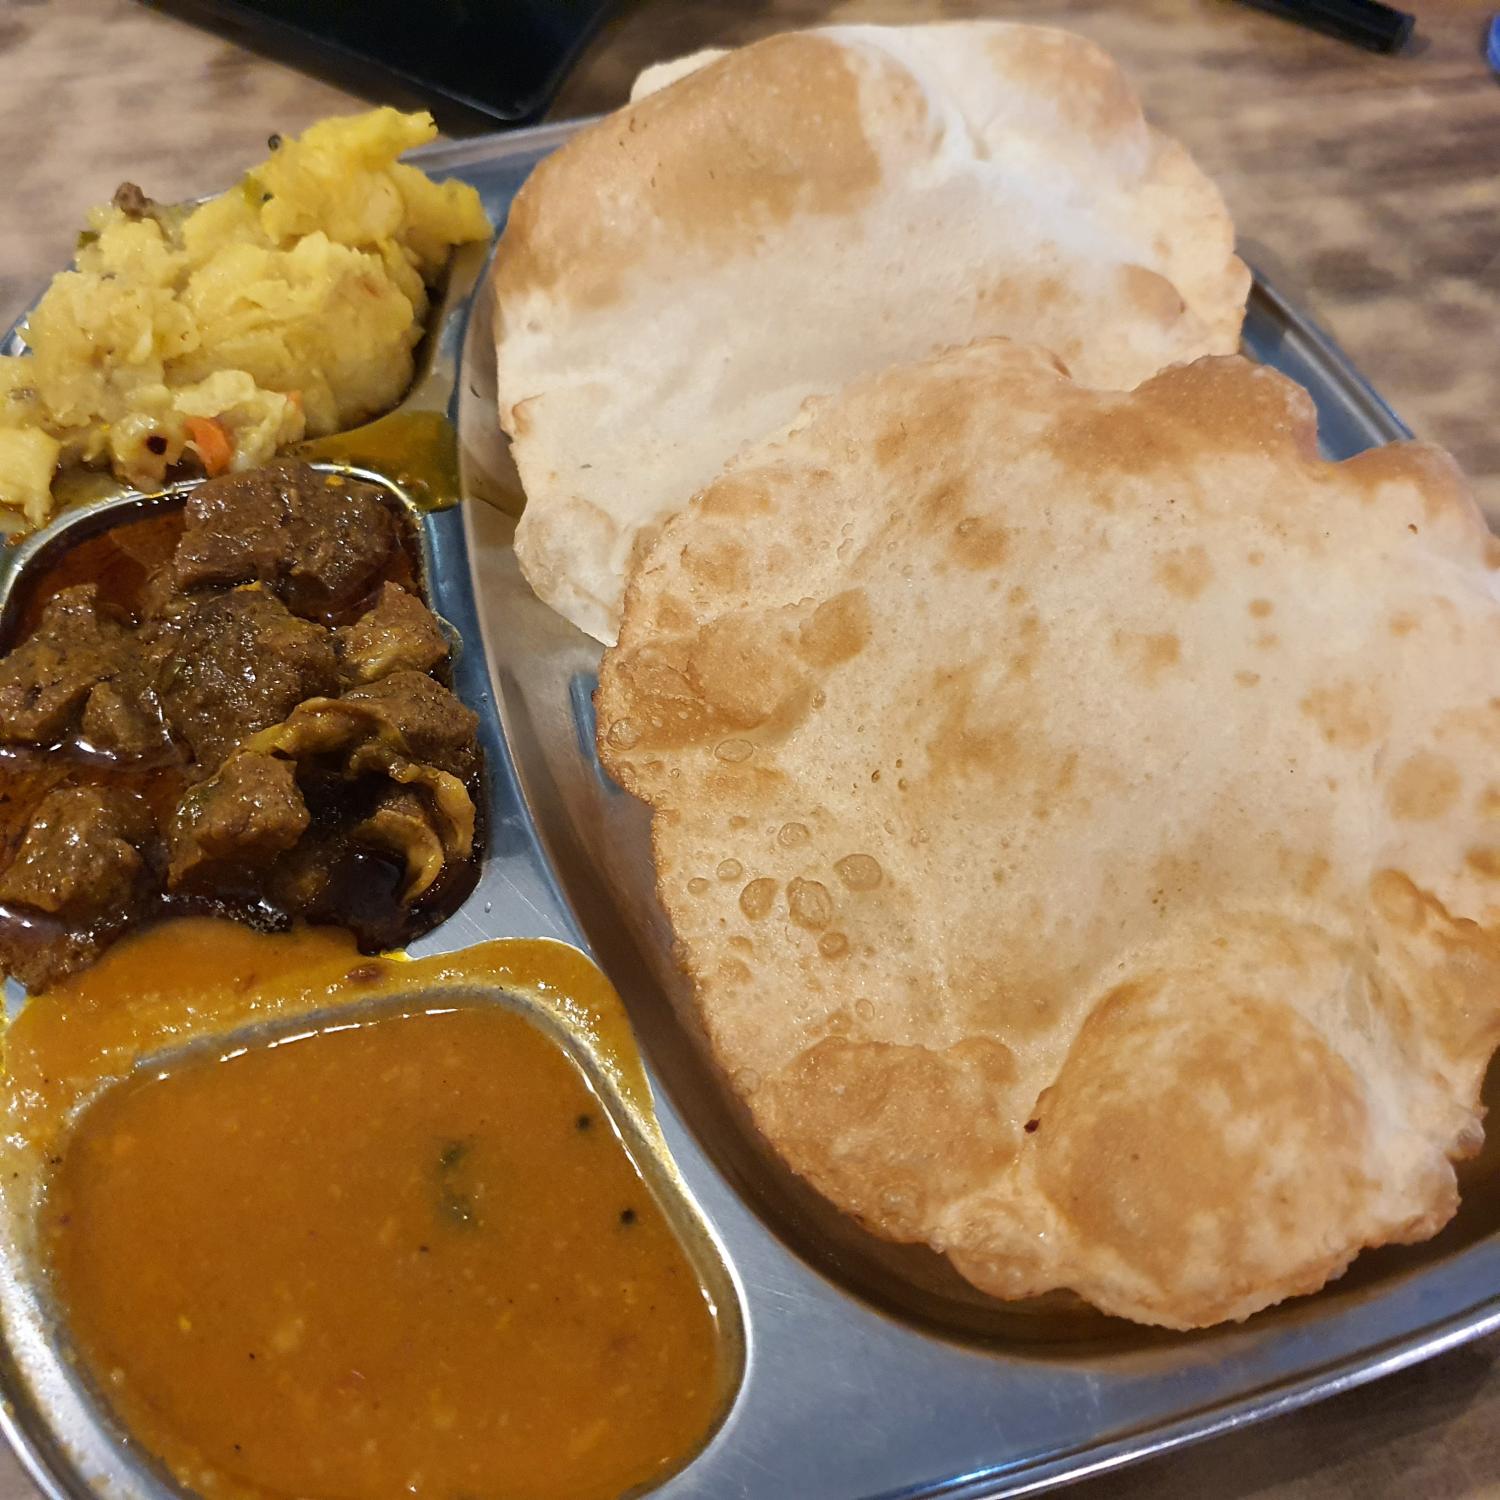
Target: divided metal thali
[[857, 1368]]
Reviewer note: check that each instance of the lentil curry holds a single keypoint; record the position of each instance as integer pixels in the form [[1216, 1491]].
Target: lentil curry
[[394, 1250]]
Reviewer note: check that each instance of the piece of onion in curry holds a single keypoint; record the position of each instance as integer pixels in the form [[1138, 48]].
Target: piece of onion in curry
[[401, 1255], [235, 708]]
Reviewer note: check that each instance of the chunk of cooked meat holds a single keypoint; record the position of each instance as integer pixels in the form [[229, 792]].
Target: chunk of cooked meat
[[37, 951], [431, 724], [123, 717], [454, 816], [403, 824], [235, 532], [398, 633], [319, 540], [343, 533], [81, 854], [234, 663], [401, 719], [46, 680], [244, 815]]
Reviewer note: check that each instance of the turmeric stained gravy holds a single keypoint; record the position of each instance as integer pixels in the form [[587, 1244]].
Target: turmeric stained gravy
[[405, 1253]]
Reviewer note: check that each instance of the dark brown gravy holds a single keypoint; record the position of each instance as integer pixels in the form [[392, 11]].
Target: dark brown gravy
[[118, 560]]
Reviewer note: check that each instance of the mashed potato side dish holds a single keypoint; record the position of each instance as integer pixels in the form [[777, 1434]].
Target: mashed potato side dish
[[287, 307]]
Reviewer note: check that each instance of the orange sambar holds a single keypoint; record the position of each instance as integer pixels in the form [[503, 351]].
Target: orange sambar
[[407, 1255]]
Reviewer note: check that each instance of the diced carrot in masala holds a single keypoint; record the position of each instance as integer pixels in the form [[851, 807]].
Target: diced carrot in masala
[[215, 447]]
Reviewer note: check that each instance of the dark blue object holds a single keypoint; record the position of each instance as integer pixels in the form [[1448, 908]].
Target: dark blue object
[[1366, 23], [1492, 44], [475, 63]]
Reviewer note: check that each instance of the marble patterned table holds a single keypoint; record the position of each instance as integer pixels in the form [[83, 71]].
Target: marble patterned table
[[1369, 187]]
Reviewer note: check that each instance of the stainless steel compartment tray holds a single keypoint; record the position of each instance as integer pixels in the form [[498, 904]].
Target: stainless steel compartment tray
[[870, 1371]]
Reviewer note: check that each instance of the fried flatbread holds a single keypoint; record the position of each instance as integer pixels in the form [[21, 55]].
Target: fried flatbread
[[678, 278], [1079, 816]]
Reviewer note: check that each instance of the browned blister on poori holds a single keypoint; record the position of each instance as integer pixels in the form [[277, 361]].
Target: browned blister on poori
[[1078, 815]]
